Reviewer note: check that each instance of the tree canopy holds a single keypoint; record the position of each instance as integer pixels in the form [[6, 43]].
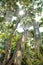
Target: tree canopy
[[21, 32]]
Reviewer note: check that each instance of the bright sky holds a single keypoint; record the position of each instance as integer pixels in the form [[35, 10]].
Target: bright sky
[[37, 18], [19, 28]]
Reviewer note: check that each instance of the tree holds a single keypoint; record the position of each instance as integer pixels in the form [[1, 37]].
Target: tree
[[10, 9]]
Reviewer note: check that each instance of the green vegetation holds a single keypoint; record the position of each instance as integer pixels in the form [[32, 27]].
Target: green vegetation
[[21, 41]]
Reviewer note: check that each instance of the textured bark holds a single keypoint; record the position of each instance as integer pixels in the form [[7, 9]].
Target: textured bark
[[17, 56]]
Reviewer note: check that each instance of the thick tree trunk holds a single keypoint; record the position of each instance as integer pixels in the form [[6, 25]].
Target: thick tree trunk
[[17, 56]]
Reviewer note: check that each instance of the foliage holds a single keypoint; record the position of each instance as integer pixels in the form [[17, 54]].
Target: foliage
[[11, 40]]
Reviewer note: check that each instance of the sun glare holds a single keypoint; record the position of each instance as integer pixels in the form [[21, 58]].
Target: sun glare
[[21, 12]]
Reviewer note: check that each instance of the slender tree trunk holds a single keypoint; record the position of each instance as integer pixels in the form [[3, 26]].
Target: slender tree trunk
[[8, 44], [37, 37]]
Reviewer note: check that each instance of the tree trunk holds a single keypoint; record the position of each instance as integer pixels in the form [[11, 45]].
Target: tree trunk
[[37, 37], [8, 44], [17, 56]]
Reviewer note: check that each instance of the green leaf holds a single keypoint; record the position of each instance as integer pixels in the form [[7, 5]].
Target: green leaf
[[2, 19]]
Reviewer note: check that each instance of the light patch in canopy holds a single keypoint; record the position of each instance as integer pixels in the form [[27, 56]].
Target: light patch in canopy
[[20, 6], [41, 29], [14, 18], [21, 12]]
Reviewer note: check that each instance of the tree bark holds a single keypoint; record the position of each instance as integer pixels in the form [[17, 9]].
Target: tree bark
[[17, 56]]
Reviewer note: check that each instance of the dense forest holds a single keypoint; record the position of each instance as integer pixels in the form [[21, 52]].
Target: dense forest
[[21, 32]]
